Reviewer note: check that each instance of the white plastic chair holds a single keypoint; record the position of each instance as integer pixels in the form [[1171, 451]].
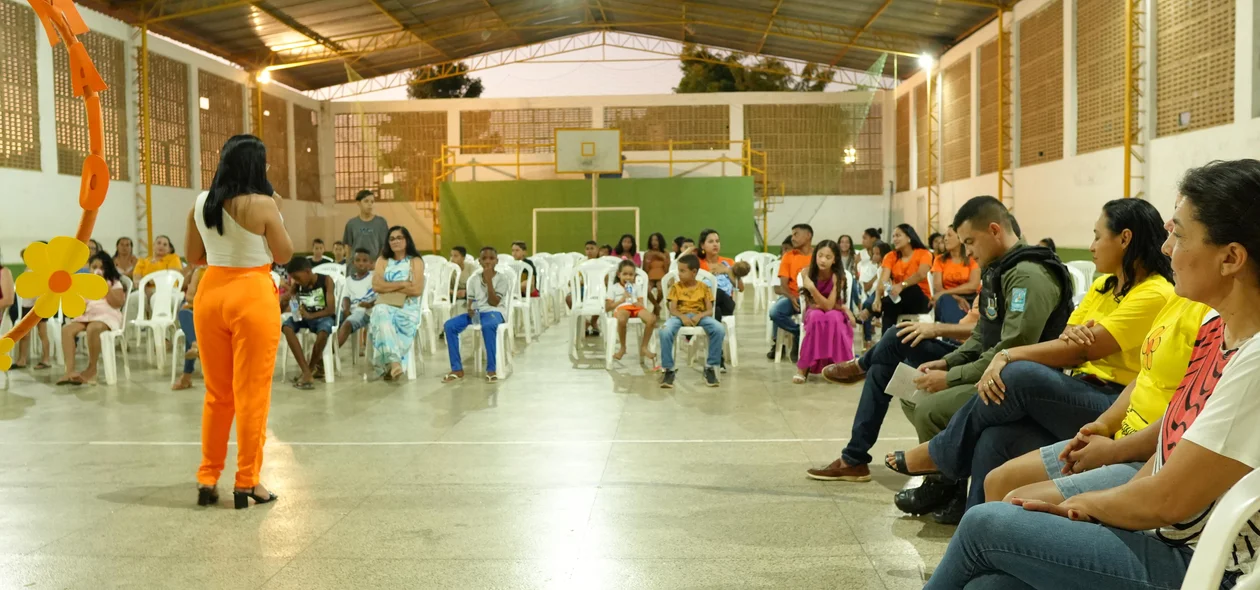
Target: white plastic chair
[[1087, 268], [771, 272], [442, 291], [696, 332], [1237, 509], [165, 300], [525, 305], [587, 287], [1079, 284], [504, 333], [780, 333], [754, 280], [110, 339], [610, 322], [306, 338], [505, 259]]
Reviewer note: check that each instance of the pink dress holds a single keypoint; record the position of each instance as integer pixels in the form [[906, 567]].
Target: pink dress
[[828, 334], [99, 310]]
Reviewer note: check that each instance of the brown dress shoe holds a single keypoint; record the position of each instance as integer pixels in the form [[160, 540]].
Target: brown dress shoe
[[839, 471], [846, 372]]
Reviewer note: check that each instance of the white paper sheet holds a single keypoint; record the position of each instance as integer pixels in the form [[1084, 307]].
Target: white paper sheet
[[901, 386]]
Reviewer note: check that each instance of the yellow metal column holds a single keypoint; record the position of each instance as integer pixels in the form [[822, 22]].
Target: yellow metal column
[[1005, 174], [933, 158], [145, 161], [1133, 65]]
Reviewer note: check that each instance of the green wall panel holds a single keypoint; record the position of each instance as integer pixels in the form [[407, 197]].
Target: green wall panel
[[476, 214]]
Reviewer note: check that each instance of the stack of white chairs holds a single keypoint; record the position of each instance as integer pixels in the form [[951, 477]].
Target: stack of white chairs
[[729, 343], [165, 301], [587, 285], [640, 289]]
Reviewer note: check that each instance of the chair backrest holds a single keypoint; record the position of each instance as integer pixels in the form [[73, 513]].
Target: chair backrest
[[506, 259], [166, 283], [1079, 284], [520, 268], [1088, 270], [590, 281], [330, 269], [1216, 545], [754, 262], [854, 305], [769, 268], [667, 281], [613, 260], [432, 260]]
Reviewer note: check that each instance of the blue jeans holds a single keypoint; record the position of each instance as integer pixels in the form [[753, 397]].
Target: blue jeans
[[455, 326], [1002, 546], [712, 328], [185, 317], [948, 311], [326, 324], [868, 326], [1042, 406], [879, 363], [781, 314]]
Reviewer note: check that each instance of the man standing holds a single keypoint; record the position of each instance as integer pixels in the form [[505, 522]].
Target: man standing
[[791, 264], [1026, 298], [367, 230]]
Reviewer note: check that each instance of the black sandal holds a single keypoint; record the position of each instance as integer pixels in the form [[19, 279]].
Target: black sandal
[[207, 496], [898, 464], [241, 499]]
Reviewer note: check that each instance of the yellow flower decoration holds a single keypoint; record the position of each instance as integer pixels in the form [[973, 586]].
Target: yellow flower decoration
[[52, 278], [6, 345]]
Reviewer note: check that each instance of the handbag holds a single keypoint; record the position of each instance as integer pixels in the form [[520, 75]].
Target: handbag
[[395, 298]]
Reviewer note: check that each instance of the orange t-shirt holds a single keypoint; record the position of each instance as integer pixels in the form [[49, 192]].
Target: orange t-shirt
[[792, 263], [954, 273], [900, 270], [704, 264]]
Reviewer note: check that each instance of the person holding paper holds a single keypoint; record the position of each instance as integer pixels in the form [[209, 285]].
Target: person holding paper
[[1025, 298]]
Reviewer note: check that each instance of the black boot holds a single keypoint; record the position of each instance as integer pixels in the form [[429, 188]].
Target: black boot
[[953, 510], [933, 494]]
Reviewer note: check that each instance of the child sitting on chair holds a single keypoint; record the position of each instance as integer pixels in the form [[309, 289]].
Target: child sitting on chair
[[356, 304], [691, 304], [315, 312], [488, 295], [827, 322], [625, 303]]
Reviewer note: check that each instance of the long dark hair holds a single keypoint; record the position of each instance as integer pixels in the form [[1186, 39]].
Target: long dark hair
[[108, 270], [242, 171], [634, 246], [838, 279], [118, 243], [884, 250], [915, 242], [962, 248], [851, 263], [704, 235], [388, 253], [1145, 249], [659, 238], [873, 232], [1226, 197]]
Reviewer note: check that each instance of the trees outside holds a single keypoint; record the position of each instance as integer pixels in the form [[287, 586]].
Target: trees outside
[[425, 82], [705, 71]]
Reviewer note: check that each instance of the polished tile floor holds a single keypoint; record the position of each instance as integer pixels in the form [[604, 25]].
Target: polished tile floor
[[566, 475]]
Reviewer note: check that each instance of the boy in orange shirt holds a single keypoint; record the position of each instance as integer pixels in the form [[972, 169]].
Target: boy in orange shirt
[[691, 304], [790, 265]]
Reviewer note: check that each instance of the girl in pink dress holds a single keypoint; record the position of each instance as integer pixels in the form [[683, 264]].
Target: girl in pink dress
[[828, 323], [101, 315]]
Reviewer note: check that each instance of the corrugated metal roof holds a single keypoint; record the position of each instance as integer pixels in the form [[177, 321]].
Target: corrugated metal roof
[[331, 38]]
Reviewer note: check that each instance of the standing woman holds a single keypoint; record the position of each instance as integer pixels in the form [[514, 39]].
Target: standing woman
[[628, 249], [903, 287], [956, 279], [236, 229], [398, 281], [124, 260], [656, 264]]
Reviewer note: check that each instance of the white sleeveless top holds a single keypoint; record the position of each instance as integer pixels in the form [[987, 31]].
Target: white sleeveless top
[[236, 248]]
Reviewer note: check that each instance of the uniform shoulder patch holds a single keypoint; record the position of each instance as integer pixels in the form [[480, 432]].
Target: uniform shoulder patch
[[1019, 299]]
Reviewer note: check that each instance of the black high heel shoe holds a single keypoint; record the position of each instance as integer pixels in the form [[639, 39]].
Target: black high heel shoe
[[242, 498], [207, 496]]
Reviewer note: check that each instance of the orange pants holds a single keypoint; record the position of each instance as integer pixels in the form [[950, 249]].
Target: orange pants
[[237, 317]]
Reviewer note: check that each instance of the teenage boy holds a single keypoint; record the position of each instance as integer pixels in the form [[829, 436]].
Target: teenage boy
[[691, 304], [356, 304], [339, 252], [791, 264], [314, 312], [459, 257], [366, 230], [487, 303], [318, 256]]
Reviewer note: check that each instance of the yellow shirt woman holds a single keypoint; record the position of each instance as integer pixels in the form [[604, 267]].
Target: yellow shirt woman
[[146, 266], [1127, 320], [1164, 356]]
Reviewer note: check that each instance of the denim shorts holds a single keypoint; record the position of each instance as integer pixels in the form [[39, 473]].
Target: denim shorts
[[1102, 478], [358, 319], [324, 324]]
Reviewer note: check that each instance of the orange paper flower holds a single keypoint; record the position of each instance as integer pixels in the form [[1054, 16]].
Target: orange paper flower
[[6, 345], [52, 278]]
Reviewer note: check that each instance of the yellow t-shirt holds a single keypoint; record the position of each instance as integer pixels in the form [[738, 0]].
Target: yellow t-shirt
[[1127, 320], [1165, 354], [693, 299], [145, 266]]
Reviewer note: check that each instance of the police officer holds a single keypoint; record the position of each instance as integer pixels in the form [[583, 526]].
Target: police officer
[[1026, 298]]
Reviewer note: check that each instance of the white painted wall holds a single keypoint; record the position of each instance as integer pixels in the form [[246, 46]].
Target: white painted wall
[[48, 201], [1062, 199]]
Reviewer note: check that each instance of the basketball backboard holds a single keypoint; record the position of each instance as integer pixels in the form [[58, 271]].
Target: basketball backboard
[[588, 151]]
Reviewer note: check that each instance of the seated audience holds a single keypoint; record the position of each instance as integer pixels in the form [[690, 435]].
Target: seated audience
[[459, 257], [1025, 387], [356, 304], [936, 242], [605, 250], [592, 323], [163, 257], [625, 303], [828, 323], [1142, 533], [1047, 243], [317, 256], [313, 309], [339, 252], [488, 296], [185, 319], [723, 270], [1026, 298], [591, 249], [99, 316], [24, 345], [398, 281], [787, 306], [848, 256], [684, 246], [955, 279], [124, 258], [628, 249], [786, 246], [691, 304], [519, 250], [903, 286], [867, 279], [656, 265]]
